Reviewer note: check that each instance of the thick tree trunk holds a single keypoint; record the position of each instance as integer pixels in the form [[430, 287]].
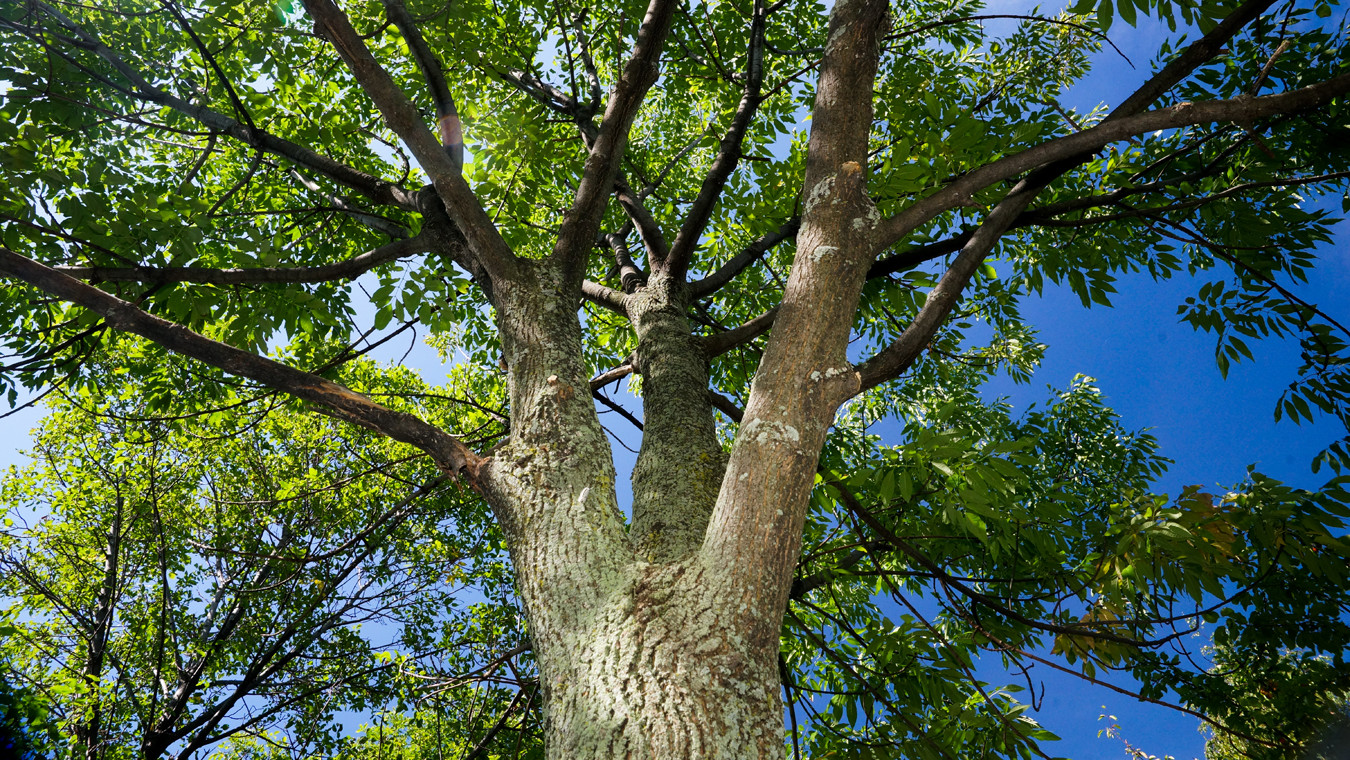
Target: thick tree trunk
[[637, 658], [660, 639], [659, 675]]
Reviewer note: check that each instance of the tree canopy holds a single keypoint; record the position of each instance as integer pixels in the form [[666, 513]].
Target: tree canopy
[[788, 242]]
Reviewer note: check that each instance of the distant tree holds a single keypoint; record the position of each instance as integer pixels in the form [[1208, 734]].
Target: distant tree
[[1290, 700], [183, 583], [25, 733], [803, 233]]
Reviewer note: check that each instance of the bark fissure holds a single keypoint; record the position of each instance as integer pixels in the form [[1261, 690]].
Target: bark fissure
[[660, 674]]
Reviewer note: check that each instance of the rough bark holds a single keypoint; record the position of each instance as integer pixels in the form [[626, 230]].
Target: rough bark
[[636, 658], [660, 674], [679, 468]]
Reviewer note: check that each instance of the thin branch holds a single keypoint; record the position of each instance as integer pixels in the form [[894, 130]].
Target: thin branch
[[582, 221], [447, 116], [861, 512], [752, 253], [372, 187], [728, 154], [341, 270], [614, 406], [482, 745], [920, 28]]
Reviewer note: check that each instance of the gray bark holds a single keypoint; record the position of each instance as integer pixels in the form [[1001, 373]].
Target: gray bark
[[662, 641], [635, 653]]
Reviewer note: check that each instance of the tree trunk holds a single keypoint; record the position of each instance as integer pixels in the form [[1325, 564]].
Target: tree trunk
[[661, 640], [658, 674], [637, 658]]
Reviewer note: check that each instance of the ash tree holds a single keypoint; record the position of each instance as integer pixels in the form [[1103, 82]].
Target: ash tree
[[783, 223]]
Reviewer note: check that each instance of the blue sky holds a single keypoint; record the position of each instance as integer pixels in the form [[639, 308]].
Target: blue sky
[[1158, 373]]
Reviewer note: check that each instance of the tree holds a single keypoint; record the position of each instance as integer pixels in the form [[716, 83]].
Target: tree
[[216, 178], [185, 583], [1294, 702]]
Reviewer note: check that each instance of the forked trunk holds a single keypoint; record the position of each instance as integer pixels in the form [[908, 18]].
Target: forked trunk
[[638, 655]]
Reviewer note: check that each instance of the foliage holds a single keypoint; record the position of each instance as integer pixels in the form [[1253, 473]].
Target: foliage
[[24, 730], [1300, 697], [211, 578]]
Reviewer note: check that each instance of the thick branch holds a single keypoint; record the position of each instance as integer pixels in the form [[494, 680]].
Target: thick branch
[[754, 537], [630, 275], [1060, 157], [1243, 108], [401, 116], [1046, 216], [452, 456], [602, 296], [720, 343], [671, 504], [650, 232], [1195, 55]]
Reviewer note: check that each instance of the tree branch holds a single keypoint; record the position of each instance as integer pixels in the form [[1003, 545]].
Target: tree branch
[[752, 253], [401, 116], [341, 270], [921, 559], [1243, 108], [720, 343], [630, 275], [1052, 159], [372, 187], [447, 116], [602, 296], [582, 221], [650, 232], [753, 538], [450, 455], [728, 154]]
